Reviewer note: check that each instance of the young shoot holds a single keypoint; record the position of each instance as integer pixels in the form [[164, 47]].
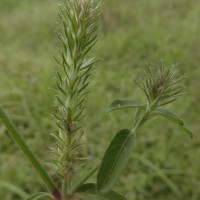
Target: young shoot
[[161, 85]]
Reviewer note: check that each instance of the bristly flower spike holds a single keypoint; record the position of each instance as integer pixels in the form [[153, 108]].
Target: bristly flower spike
[[161, 84], [79, 21]]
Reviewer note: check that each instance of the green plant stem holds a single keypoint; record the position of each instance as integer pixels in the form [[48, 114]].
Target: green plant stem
[[139, 124], [149, 109], [84, 178], [63, 188], [29, 154]]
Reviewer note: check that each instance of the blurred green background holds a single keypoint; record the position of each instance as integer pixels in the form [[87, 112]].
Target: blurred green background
[[133, 33]]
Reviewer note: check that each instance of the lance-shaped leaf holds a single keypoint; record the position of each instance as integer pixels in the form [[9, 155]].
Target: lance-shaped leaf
[[122, 104], [174, 118], [114, 160], [88, 192], [14, 133], [40, 195]]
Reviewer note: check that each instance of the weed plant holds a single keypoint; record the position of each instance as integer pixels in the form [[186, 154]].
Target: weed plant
[[162, 85]]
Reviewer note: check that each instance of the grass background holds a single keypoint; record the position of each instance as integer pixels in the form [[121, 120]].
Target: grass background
[[133, 34]]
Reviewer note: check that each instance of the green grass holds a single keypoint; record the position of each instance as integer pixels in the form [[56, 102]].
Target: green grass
[[134, 33]]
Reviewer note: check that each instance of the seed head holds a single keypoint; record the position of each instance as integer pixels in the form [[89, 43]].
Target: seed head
[[161, 83], [78, 30]]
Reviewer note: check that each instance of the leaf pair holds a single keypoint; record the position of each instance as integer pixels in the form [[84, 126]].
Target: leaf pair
[[126, 103]]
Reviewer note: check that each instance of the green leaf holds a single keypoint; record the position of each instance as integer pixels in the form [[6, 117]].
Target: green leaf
[[14, 133], [122, 104], [114, 160], [173, 118], [170, 115], [39, 196], [88, 192]]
